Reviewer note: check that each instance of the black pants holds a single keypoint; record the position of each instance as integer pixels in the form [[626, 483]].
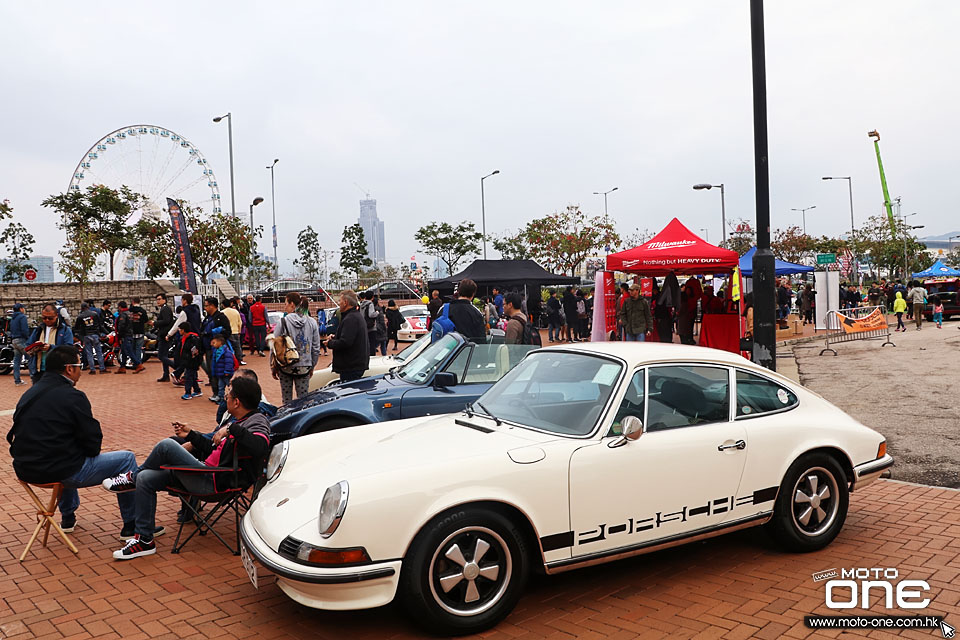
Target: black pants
[[163, 346], [665, 329], [350, 376]]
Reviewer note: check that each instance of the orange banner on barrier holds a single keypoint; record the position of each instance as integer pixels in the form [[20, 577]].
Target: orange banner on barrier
[[871, 322]]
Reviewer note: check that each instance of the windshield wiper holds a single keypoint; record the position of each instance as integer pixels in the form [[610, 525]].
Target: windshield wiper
[[489, 415]]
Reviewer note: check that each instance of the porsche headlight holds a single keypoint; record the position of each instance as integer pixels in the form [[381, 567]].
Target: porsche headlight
[[278, 456], [332, 506]]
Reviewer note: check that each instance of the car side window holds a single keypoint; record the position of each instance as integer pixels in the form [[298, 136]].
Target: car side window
[[458, 365], [682, 396], [757, 395], [632, 403]]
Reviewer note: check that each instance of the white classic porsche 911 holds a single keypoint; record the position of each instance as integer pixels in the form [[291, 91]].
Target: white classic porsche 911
[[451, 513]]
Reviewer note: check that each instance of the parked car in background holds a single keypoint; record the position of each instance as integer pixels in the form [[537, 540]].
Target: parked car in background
[[581, 454], [951, 307], [395, 290], [415, 320], [445, 377], [378, 364], [278, 289]]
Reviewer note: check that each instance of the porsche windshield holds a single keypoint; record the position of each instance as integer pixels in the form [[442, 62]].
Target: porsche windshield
[[421, 368], [554, 391]]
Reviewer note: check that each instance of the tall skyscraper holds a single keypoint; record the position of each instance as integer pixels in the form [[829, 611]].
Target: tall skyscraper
[[372, 231]]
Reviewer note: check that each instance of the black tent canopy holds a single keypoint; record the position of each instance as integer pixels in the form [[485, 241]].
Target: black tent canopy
[[508, 275]]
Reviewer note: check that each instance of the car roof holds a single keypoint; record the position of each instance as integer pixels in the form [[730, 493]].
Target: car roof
[[638, 353]]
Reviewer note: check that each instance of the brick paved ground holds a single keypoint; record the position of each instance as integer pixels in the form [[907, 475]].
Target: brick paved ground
[[737, 586]]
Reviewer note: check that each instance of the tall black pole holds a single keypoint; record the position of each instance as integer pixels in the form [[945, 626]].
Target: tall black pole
[[764, 287]]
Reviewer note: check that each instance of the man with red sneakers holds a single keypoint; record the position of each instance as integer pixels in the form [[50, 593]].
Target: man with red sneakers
[[250, 434]]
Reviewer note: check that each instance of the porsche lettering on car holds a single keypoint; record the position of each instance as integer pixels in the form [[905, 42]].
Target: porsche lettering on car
[[451, 513]]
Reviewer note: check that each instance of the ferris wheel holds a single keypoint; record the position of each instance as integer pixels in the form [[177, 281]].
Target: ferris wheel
[[153, 161]]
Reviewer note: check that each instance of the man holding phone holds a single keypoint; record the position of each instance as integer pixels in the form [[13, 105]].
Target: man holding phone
[[52, 332]]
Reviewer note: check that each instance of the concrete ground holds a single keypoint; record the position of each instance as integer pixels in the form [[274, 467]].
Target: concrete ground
[[905, 392]]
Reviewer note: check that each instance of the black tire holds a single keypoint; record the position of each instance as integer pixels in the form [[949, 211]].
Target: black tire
[[800, 521], [497, 580]]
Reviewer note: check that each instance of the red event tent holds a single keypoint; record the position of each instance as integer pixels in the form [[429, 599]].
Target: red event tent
[[675, 248]]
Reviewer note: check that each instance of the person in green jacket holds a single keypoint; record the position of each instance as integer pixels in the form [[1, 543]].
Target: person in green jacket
[[899, 307], [635, 317]]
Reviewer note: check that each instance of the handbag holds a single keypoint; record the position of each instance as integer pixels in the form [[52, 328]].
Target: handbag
[[284, 350]]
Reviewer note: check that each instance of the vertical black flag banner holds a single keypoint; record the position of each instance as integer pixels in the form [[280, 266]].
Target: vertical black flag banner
[[188, 278]]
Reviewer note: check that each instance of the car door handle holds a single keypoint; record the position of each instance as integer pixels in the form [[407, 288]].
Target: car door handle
[[739, 444]]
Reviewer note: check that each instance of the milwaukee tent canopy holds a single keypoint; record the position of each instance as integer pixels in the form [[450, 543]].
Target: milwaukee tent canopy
[[675, 248]]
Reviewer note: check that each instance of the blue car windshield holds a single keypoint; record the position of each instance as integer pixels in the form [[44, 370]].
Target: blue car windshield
[[421, 368], [555, 391]]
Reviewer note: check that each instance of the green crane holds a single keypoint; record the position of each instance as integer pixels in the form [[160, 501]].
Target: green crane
[[883, 182]]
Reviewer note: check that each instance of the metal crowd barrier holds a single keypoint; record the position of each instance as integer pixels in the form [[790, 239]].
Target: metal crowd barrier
[[836, 319]]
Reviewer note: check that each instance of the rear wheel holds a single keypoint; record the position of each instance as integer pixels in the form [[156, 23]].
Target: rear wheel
[[465, 571], [812, 505]]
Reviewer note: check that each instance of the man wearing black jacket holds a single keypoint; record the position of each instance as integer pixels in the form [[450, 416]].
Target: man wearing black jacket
[[351, 351], [465, 317], [55, 438], [162, 325], [89, 328], [248, 436]]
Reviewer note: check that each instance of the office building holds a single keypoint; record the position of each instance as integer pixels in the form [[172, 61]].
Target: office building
[[372, 231]]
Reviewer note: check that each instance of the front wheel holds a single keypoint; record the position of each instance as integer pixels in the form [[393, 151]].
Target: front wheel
[[465, 571], [812, 505]]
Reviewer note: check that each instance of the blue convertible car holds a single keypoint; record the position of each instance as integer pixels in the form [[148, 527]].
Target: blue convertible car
[[446, 377]]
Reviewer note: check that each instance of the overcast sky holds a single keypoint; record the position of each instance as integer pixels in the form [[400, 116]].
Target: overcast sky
[[415, 101]]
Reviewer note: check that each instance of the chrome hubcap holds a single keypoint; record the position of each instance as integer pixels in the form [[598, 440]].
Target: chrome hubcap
[[470, 571], [815, 502]]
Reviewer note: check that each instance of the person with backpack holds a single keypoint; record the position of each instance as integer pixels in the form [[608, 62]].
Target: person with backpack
[[519, 330], [370, 313], [466, 318], [322, 328], [124, 329], [191, 355], [306, 336], [381, 327]]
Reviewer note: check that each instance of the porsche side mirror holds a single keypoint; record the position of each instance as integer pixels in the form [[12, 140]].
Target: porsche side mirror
[[444, 379], [631, 429]]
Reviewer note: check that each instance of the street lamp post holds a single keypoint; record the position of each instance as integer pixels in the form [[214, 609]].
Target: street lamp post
[[233, 200], [483, 211], [906, 229], [723, 205], [605, 217], [804, 212], [853, 227], [253, 244], [706, 234], [273, 204]]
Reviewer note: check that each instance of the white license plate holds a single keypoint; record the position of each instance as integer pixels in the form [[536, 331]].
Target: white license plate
[[248, 564]]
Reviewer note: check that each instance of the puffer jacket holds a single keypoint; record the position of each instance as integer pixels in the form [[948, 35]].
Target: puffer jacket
[[899, 304]]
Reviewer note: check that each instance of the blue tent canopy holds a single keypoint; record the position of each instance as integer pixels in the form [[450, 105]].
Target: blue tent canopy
[[783, 268], [937, 270]]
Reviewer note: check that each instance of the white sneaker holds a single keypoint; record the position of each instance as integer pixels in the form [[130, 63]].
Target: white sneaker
[[121, 483]]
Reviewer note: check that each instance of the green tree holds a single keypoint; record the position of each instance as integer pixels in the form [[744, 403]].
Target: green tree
[[742, 238], [563, 240], [791, 244], [101, 211], [449, 243], [885, 247], [390, 272], [311, 254], [6, 211], [512, 246], [78, 259], [153, 242], [19, 245], [636, 238], [353, 250]]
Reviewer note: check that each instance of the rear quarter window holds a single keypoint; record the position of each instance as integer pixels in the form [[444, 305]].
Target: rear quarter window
[[757, 396]]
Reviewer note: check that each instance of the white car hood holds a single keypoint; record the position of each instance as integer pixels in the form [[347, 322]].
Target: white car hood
[[402, 444]]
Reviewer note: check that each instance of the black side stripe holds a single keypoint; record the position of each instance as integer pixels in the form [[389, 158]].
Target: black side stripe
[[765, 495], [557, 541]]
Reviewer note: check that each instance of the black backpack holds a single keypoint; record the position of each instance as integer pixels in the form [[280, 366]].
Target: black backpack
[[530, 334]]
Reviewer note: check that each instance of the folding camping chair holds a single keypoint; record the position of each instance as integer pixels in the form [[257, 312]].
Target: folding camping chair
[[223, 501], [45, 515]]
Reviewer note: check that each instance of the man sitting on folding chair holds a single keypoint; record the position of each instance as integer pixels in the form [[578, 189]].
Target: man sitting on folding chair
[[248, 437]]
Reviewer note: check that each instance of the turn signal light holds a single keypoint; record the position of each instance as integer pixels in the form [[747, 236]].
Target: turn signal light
[[329, 557], [882, 451]]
